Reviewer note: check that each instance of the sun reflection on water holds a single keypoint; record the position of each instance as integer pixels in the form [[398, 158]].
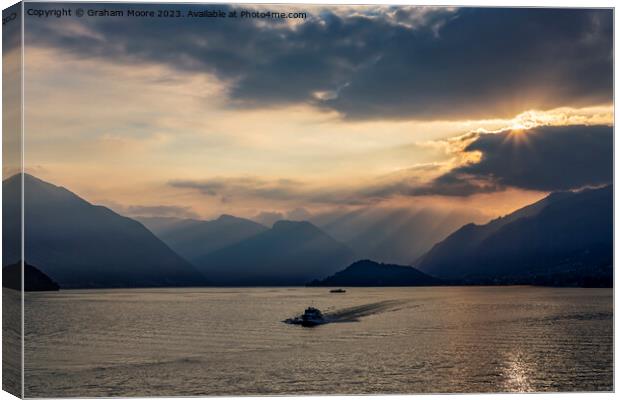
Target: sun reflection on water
[[518, 373]]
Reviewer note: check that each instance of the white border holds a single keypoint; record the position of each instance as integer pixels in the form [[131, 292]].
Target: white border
[[479, 3]]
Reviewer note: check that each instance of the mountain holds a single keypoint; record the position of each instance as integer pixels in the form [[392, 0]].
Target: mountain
[[566, 238], [34, 280], [193, 239], [395, 235], [79, 244], [370, 273], [290, 253]]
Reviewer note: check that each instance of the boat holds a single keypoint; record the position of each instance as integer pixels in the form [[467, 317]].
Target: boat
[[312, 317], [337, 291]]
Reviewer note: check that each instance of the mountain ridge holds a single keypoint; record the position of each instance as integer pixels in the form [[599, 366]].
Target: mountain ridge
[[34, 279], [566, 231], [372, 274], [81, 245]]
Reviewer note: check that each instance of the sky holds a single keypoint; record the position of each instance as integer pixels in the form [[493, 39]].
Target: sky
[[353, 107]]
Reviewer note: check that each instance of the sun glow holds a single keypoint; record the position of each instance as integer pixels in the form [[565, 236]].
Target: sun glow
[[596, 115], [602, 115]]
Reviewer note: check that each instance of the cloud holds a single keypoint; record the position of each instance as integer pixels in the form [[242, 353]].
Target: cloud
[[487, 62], [230, 189], [298, 214], [161, 211], [268, 218], [372, 62], [545, 158], [238, 189]]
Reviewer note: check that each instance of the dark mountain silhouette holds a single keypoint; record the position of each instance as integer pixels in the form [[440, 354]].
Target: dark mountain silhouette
[[34, 280], [370, 273], [78, 244], [193, 239], [565, 239], [290, 253]]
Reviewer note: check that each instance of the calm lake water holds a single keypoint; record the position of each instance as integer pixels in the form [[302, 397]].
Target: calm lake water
[[388, 340]]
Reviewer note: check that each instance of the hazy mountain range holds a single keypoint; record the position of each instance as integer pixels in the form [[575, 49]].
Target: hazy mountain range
[[564, 239], [194, 239], [238, 251], [390, 234], [290, 253]]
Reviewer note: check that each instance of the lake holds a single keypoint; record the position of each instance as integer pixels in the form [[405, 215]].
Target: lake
[[229, 341]]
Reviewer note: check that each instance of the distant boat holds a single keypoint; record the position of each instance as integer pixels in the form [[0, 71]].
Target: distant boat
[[337, 291]]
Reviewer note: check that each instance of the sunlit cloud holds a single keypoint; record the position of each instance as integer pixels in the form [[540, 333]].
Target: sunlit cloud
[[597, 115], [544, 158]]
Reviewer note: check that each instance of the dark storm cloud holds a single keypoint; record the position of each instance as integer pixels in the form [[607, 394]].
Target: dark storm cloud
[[384, 62], [546, 158], [281, 190], [450, 184], [488, 62]]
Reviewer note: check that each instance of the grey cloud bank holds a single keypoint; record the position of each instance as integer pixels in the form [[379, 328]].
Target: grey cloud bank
[[546, 158], [373, 63]]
